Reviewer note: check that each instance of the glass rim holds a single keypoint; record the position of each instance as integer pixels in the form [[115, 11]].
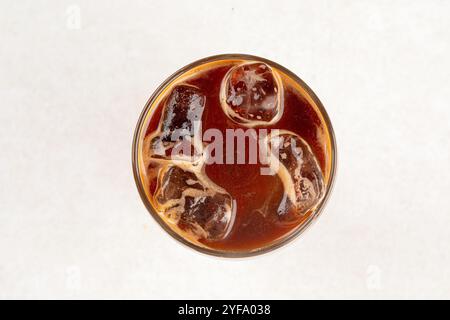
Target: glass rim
[[283, 240]]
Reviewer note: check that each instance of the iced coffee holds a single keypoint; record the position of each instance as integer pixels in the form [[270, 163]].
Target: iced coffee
[[234, 155]]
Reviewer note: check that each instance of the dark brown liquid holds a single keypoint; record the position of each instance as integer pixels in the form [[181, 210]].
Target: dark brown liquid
[[252, 191]]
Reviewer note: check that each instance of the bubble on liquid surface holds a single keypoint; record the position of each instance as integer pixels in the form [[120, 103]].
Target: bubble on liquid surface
[[194, 203], [295, 164], [251, 94]]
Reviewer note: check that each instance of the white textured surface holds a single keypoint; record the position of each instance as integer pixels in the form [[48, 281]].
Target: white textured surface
[[71, 222]]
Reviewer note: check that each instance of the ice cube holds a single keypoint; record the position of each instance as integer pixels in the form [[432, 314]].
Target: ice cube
[[189, 199], [178, 135], [174, 181], [251, 94], [297, 167], [182, 113], [155, 148]]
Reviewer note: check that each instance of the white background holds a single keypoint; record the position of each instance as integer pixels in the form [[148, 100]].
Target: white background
[[71, 222]]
